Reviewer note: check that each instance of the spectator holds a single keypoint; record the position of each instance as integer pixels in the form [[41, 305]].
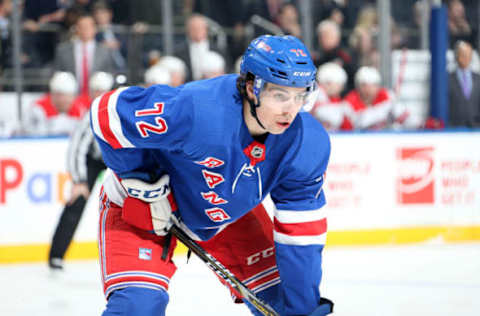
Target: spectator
[[464, 89], [213, 65], [193, 50], [82, 55], [362, 39], [329, 40], [157, 75], [56, 113], [107, 36], [458, 26], [373, 106], [5, 45], [229, 14], [364, 52], [72, 14], [367, 17], [329, 108], [368, 20], [177, 69], [288, 20], [413, 40], [39, 42]]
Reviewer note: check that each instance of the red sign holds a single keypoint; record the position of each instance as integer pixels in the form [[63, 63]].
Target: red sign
[[415, 183]]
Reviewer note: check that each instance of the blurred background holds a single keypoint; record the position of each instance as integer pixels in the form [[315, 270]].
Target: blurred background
[[399, 93], [408, 46]]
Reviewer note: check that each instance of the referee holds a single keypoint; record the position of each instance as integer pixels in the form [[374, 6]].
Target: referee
[[84, 163]]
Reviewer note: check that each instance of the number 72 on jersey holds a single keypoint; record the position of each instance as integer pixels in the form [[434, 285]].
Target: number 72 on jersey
[[145, 128]]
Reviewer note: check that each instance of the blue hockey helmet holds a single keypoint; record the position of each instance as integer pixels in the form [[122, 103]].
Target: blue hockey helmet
[[282, 60]]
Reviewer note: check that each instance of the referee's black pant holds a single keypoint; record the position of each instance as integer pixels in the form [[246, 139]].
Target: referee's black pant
[[72, 213]]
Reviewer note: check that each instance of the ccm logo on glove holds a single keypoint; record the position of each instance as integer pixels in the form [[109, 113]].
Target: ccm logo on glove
[[149, 206], [148, 194]]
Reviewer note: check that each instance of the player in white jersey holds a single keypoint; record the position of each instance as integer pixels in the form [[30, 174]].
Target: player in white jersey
[[329, 108], [372, 106]]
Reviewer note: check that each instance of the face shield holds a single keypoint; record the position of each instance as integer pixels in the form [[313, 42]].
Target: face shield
[[304, 99], [311, 98]]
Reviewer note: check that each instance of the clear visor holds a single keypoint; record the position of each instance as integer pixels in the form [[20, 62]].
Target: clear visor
[[303, 98], [311, 98]]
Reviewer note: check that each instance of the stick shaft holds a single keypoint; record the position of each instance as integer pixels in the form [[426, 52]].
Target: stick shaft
[[223, 272]]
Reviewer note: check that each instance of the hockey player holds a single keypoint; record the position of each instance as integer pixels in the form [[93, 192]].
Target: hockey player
[[329, 108], [204, 156], [57, 112], [373, 107]]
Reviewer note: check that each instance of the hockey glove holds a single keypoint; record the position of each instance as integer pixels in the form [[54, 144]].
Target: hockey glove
[[149, 206], [325, 308]]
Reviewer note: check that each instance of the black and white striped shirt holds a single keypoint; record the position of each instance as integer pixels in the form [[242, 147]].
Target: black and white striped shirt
[[82, 144]]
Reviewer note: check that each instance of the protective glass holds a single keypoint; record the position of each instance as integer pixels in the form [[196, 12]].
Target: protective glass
[[305, 99]]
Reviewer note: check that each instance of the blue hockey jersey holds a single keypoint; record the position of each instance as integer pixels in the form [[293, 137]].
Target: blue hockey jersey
[[196, 133]]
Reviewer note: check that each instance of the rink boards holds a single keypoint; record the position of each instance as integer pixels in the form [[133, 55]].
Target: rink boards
[[381, 188]]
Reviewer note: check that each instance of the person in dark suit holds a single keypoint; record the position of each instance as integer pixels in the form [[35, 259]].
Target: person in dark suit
[[107, 35], [464, 90], [195, 46], [82, 56]]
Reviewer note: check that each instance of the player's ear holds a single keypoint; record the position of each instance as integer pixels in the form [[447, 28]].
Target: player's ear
[[249, 90]]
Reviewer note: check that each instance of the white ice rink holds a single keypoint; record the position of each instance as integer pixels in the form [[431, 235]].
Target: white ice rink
[[420, 280]]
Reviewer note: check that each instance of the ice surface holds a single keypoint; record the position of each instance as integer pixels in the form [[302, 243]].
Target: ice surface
[[419, 280]]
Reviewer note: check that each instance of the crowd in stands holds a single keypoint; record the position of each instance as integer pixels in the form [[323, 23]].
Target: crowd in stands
[[83, 46]]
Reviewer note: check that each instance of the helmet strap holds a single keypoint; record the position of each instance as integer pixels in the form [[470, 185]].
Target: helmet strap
[[253, 111]]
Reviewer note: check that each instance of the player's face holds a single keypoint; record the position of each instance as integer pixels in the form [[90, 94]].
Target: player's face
[[279, 105], [333, 89], [62, 101], [368, 92]]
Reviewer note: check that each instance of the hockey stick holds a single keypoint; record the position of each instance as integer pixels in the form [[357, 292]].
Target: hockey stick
[[223, 272]]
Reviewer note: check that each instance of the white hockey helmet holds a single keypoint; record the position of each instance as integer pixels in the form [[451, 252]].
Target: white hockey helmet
[[157, 75], [63, 82], [213, 62], [101, 81], [331, 72], [367, 74], [173, 64]]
